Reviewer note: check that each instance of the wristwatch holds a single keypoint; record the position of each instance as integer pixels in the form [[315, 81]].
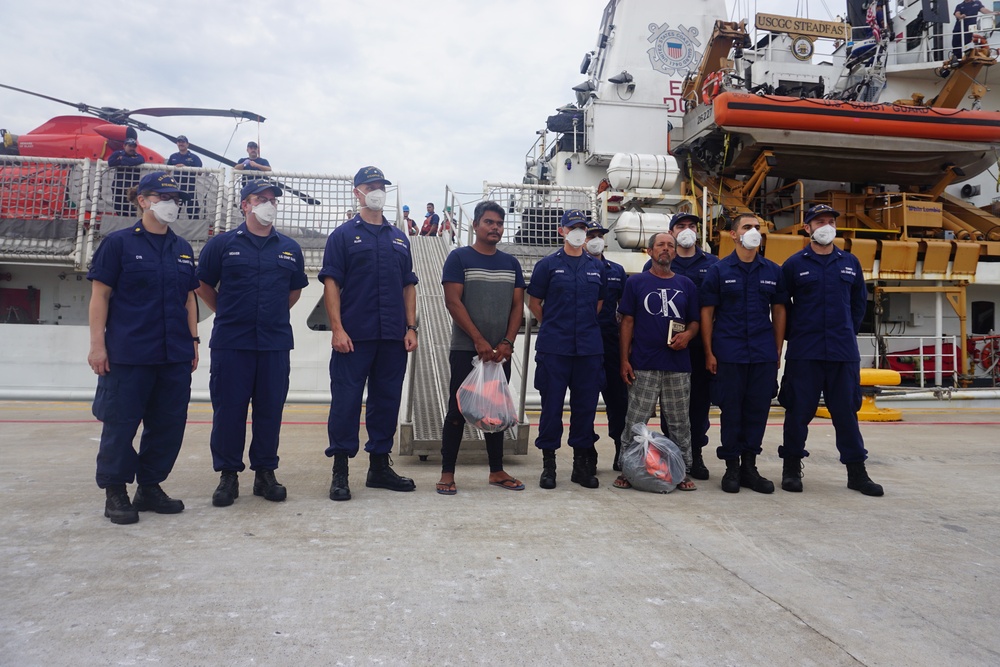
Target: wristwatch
[[411, 327]]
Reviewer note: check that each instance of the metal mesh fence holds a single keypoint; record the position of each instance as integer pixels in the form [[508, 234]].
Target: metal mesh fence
[[58, 211]]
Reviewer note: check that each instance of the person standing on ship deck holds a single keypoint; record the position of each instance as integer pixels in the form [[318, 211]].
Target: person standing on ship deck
[[370, 292], [484, 294], [828, 297], [250, 277], [144, 348]]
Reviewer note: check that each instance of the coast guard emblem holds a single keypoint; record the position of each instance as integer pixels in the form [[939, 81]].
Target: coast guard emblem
[[673, 51]]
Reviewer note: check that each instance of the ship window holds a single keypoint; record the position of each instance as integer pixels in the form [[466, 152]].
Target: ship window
[[983, 317]]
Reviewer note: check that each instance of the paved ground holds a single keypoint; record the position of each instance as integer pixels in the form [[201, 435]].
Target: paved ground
[[569, 576]]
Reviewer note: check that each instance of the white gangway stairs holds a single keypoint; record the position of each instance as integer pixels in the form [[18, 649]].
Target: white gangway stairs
[[428, 373]]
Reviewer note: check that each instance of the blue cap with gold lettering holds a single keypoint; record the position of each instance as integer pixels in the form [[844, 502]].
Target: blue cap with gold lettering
[[369, 175], [160, 182]]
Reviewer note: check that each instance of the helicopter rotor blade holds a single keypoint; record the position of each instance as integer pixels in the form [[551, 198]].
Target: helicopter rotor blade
[[185, 111], [80, 106]]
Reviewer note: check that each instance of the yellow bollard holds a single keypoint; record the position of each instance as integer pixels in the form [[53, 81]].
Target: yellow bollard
[[871, 378]]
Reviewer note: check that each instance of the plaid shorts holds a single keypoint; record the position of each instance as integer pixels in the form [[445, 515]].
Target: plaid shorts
[[673, 391]]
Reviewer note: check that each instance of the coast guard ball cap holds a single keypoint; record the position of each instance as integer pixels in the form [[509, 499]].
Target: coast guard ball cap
[[258, 186], [677, 217], [573, 217], [159, 182], [818, 210], [252, 144], [595, 226], [130, 142], [181, 137], [369, 175]]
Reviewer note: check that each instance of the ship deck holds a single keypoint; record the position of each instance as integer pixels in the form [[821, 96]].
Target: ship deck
[[568, 576]]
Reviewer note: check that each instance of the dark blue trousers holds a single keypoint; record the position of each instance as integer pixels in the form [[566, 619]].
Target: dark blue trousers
[[584, 377], [615, 390], [382, 364], [840, 384], [239, 377], [158, 397], [743, 392]]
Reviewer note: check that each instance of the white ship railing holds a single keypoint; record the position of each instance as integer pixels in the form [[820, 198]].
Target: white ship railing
[[56, 211]]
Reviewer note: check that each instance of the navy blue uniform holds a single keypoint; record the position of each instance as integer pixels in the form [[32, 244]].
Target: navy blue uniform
[[743, 343], [827, 303], [962, 32], [125, 177], [615, 391], [250, 342], [186, 181], [150, 350], [371, 265], [568, 350], [695, 268]]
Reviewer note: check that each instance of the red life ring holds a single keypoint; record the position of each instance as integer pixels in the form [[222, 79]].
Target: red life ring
[[711, 88]]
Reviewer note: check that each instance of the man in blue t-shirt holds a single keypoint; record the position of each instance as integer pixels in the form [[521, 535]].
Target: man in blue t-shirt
[[253, 161], [185, 158], [660, 315], [484, 294], [250, 277], [743, 327], [566, 293]]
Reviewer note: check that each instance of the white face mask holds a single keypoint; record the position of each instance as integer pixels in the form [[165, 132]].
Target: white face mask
[[265, 213], [751, 239], [165, 211], [595, 246], [576, 237], [375, 200], [687, 238], [825, 235]]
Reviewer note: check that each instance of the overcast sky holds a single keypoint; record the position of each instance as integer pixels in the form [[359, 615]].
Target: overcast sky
[[435, 93]]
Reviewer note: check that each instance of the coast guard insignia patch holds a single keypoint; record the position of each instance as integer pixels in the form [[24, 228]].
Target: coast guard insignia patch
[[673, 51]]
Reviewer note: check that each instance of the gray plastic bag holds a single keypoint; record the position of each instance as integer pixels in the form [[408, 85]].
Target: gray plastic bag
[[652, 462]]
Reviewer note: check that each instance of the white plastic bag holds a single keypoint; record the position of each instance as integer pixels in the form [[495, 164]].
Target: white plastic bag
[[484, 398], [652, 462]]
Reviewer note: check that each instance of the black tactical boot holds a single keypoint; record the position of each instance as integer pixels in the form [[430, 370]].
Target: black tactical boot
[[698, 469], [118, 507], [548, 478], [228, 489], [582, 474], [731, 480], [858, 480], [151, 497], [382, 476], [791, 474], [339, 490], [617, 466], [750, 478], [264, 484]]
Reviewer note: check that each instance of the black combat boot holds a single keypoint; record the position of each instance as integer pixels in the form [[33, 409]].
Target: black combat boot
[[548, 478], [382, 476], [339, 490], [791, 474], [731, 480], [118, 507], [750, 478], [617, 466], [858, 480], [228, 490], [265, 484], [581, 469], [151, 497], [698, 469]]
